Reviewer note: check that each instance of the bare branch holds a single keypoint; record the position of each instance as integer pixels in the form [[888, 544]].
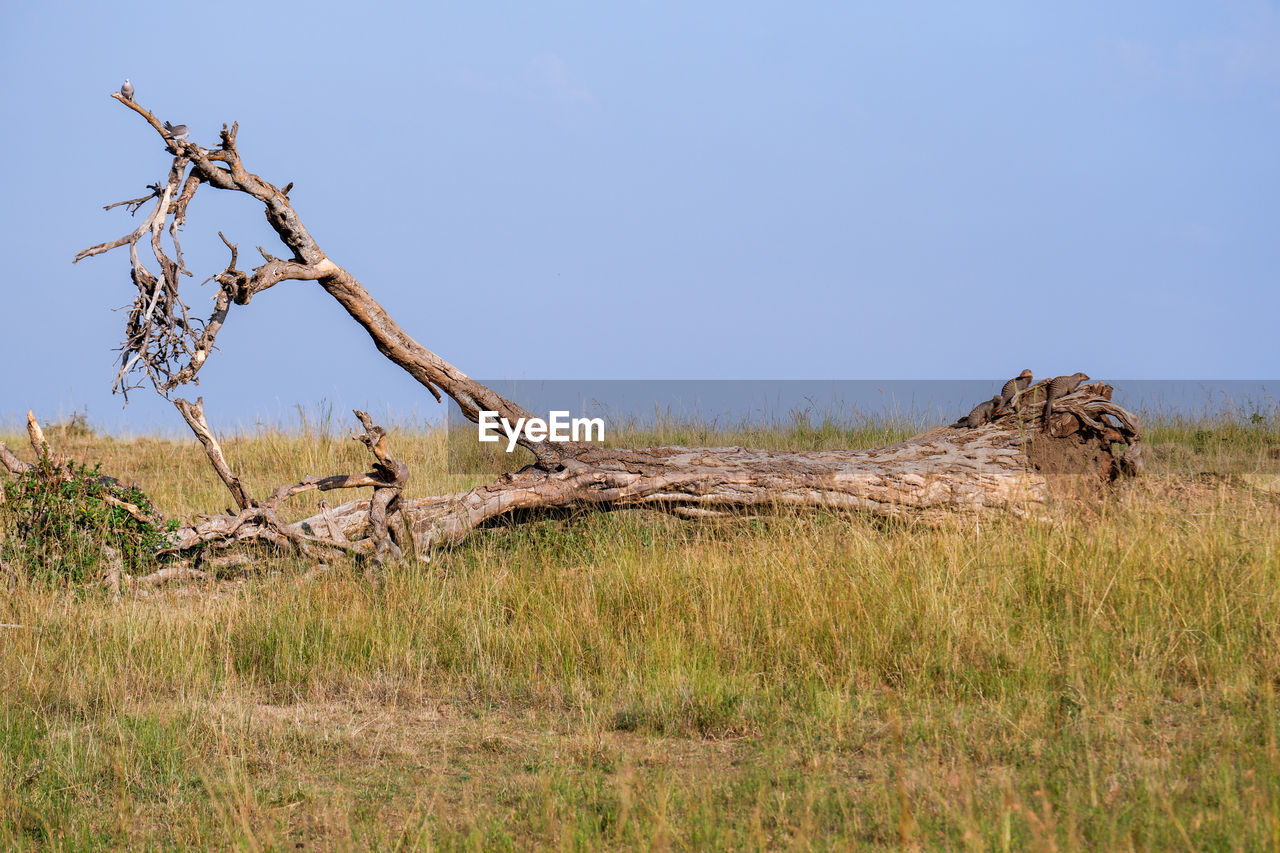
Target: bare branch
[[256, 524], [12, 463], [134, 203], [193, 414], [128, 239], [224, 169], [324, 484], [272, 273], [386, 498], [260, 523], [388, 477], [133, 509]]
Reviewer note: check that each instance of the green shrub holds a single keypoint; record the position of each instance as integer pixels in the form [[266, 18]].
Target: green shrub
[[59, 522]]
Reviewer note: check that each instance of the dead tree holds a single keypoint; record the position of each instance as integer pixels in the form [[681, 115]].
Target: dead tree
[[1005, 465]]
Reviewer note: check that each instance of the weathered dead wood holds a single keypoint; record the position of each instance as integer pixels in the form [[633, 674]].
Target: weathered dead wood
[[386, 497], [11, 462], [159, 342], [134, 510], [1002, 465], [1006, 466], [1090, 406], [932, 475], [193, 414], [38, 442], [261, 523], [39, 445]]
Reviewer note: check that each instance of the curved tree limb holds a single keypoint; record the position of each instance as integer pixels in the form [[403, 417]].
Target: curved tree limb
[[223, 168], [193, 414]]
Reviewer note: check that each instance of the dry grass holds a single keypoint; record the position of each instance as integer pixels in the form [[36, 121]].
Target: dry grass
[[1104, 679]]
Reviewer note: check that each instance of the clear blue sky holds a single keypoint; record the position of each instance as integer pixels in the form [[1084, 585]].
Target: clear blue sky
[[661, 190]]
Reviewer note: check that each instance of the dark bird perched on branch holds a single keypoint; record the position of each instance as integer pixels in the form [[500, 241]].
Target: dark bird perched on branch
[[178, 131]]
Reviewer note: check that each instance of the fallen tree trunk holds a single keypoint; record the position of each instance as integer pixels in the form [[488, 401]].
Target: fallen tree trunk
[[1008, 465], [1005, 464]]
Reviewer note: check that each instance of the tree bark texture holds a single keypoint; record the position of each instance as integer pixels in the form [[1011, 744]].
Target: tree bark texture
[[1005, 466]]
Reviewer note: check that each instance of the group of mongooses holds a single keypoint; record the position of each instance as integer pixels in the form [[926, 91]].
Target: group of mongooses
[[989, 410]]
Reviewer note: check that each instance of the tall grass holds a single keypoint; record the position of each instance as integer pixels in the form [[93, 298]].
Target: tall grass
[[1105, 677]]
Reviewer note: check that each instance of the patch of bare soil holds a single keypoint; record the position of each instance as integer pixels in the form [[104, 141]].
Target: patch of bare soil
[[1075, 465]]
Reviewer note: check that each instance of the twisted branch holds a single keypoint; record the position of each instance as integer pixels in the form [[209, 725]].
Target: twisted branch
[[159, 332], [260, 522], [162, 342]]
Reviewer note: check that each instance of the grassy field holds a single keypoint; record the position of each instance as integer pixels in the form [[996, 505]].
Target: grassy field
[[1103, 678]]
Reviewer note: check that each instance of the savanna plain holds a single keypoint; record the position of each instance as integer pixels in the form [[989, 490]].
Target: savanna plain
[[1102, 675]]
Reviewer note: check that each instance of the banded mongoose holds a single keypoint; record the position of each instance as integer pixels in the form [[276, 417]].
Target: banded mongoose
[[980, 415], [1059, 386], [1012, 389]]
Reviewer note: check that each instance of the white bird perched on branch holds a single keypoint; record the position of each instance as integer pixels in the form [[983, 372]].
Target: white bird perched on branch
[[127, 90]]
